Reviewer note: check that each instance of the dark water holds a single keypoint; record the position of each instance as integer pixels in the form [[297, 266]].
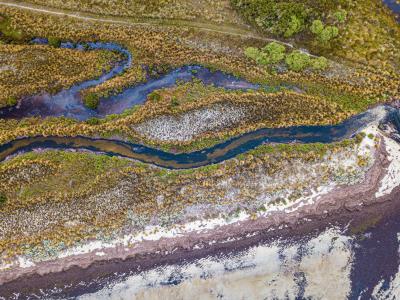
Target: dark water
[[68, 103], [215, 154], [376, 251], [376, 258], [394, 6]]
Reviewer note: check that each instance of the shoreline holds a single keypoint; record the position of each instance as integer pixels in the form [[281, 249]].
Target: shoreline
[[217, 153], [340, 206], [69, 231]]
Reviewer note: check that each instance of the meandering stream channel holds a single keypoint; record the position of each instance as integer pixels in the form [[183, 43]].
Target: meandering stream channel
[[68, 103], [215, 154], [375, 256]]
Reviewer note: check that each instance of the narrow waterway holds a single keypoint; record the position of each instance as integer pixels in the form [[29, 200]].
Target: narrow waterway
[[394, 6], [366, 265], [69, 103], [218, 153]]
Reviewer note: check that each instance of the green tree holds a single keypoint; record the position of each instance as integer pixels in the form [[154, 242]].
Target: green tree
[[298, 61], [320, 63], [91, 101], [252, 53], [295, 25], [275, 52], [317, 27]]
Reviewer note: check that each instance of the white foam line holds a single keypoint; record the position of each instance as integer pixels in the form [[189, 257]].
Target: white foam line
[[154, 233], [392, 178]]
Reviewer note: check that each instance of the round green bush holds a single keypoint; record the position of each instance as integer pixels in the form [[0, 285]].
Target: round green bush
[[298, 61], [91, 101]]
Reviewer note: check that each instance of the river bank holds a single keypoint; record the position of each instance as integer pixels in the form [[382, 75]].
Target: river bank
[[77, 216], [216, 154], [372, 197]]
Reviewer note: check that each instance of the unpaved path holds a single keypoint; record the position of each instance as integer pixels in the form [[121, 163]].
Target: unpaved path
[[244, 32]]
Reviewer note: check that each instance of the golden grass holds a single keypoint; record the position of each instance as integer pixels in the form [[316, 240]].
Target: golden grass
[[26, 70]]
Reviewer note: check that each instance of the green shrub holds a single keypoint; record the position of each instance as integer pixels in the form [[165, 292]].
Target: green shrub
[[11, 101], [252, 53], [288, 18], [154, 96], [3, 198], [320, 63], [340, 15], [54, 42], [281, 18], [93, 121], [174, 102], [86, 46], [324, 33], [317, 27], [10, 34], [272, 53], [298, 61], [91, 101], [328, 33]]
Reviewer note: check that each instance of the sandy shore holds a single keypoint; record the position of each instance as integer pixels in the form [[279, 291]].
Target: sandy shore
[[340, 206]]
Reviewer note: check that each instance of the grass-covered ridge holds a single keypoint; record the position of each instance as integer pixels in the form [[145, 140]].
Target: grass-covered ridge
[[342, 89], [201, 10], [278, 108], [76, 196], [51, 200]]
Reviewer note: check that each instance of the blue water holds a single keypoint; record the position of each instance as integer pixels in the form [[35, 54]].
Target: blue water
[[68, 103], [394, 7], [212, 155], [376, 255]]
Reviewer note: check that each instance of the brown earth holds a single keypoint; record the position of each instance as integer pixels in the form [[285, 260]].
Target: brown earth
[[344, 205]]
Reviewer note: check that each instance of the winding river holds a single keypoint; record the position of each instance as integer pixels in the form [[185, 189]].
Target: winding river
[[394, 6], [375, 252], [215, 154], [68, 103]]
